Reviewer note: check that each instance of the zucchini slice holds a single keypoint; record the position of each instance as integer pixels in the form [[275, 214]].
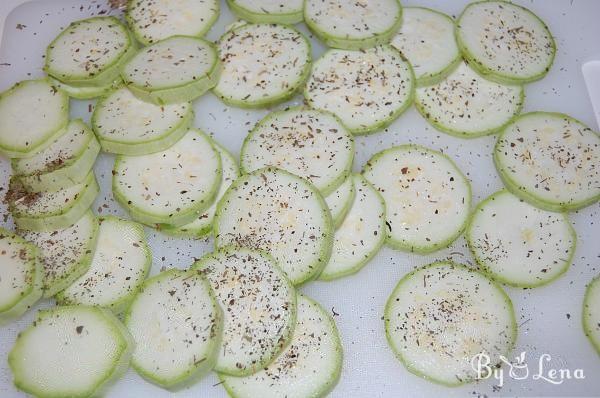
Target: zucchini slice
[[309, 366], [441, 316], [263, 64], [90, 52], [66, 162], [259, 304], [308, 143], [155, 20], [426, 39], [86, 92], [285, 215], [550, 160], [505, 42], [203, 224], [127, 125], [360, 236], [176, 323], [49, 211], [519, 244], [173, 70], [591, 313], [427, 197], [169, 187], [73, 351], [286, 12], [366, 89], [65, 254], [353, 25], [23, 132], [466, 105], [120, 264], [20, 276], [340, 201]]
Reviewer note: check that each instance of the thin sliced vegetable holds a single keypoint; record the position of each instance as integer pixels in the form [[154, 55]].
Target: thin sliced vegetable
[[550, 160], [466, 105], [90, 52], [426, 39], [155, 20], [176, 323], [273, 210], [286, 12], [169, 187], [127, 125], [519, 244], [86, 92], [340, 201], [427, 197], [23, 132], [443, 317], [591, 313], [308, 143], [203, 224], [505, 42], [65, 254], [259, 304], [353, 25], [49, 211], [20, 276], [309, 366], [263, 64], [120, 264], [366, 89], [74, 351], [66, 162], [173, 70], [360, 236]]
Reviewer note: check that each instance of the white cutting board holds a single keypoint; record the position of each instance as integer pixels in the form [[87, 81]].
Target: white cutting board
[[550, 316]]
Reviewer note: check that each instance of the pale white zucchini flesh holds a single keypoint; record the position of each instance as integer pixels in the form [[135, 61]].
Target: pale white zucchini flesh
[[340, 201], [259, 306], [308, 367], [591, 313]]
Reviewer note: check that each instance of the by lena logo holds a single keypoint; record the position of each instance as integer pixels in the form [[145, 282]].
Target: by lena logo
[[519, 369]]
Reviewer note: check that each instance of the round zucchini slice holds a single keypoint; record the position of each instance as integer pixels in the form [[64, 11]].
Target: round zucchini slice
[[550, 160], [340, 201], [155, 20], [127, 125], [443, 316], [259, 304], [426, 39], [49, 211], [203, 224], [361, 235], [286, 12], [169, 187], [120, 264], [466, 105], [86, 92], [65, 254], [285, 215], [519, 244], [176, 323], [366, 89], [263, 64], [505, 42], [427, 197], [73, 351], [20, 276], [90, 52], [308, 143], [23, 133], [591, 313], [309, 366], [353, 25], [66, 162], [173, 70]]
